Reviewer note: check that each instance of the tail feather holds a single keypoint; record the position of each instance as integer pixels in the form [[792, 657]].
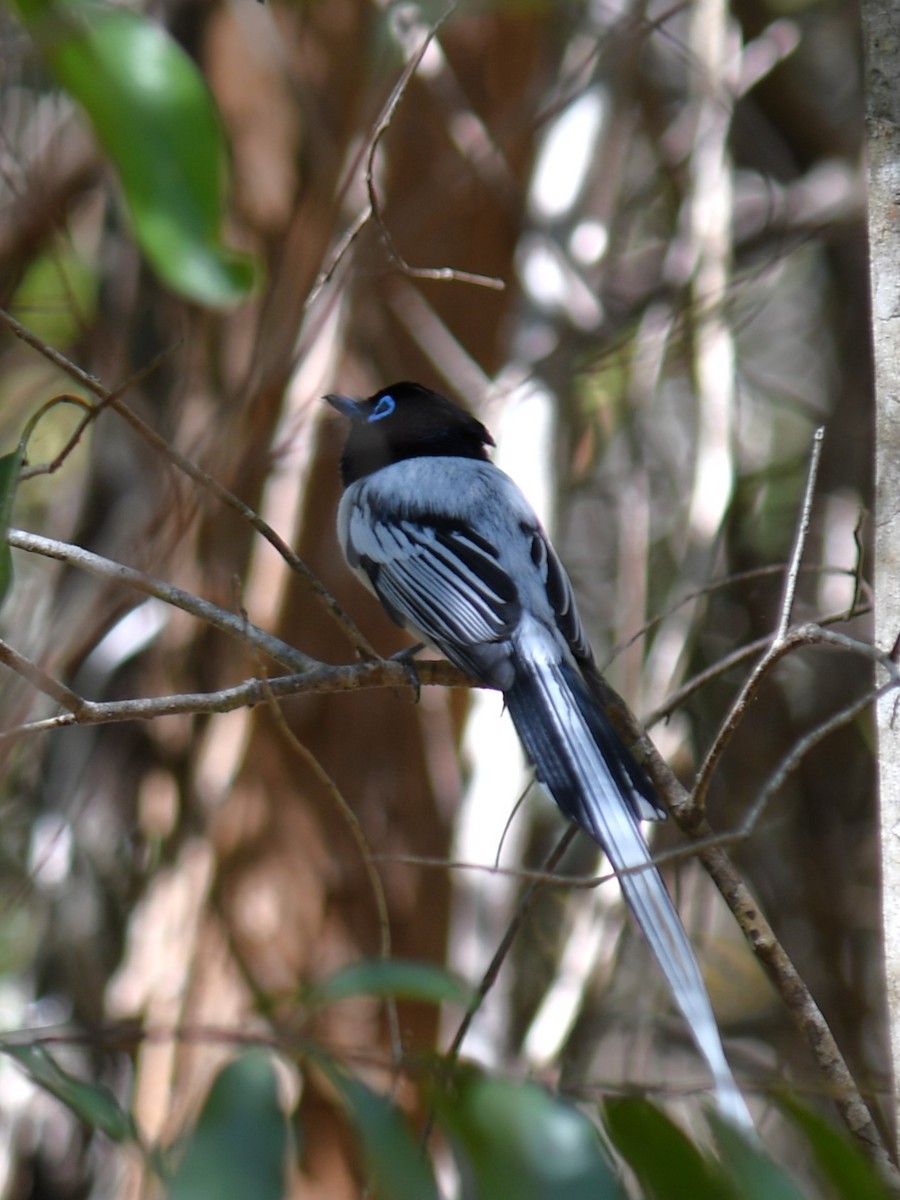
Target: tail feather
[[569, 742]]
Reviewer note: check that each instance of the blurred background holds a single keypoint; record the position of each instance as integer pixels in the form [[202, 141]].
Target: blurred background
[[630, 236]]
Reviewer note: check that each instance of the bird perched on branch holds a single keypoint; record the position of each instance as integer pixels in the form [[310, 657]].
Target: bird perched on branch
[[454, 552]]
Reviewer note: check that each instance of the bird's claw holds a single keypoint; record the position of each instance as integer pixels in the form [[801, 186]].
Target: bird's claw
[[405, 658]]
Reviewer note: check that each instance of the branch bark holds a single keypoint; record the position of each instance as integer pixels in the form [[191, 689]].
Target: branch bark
[[882, 99]]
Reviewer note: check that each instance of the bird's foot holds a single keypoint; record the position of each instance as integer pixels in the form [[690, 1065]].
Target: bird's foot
[[405, 657]]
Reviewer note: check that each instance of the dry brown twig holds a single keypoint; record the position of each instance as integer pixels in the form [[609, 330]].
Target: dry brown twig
[[373, 209]]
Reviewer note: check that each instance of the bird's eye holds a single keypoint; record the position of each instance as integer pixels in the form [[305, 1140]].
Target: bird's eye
[[383, 408]]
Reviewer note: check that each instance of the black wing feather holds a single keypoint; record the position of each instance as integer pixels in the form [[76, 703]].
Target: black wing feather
[[442, 580]]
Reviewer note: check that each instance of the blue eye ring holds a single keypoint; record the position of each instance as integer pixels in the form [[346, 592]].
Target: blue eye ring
[[382, 409]]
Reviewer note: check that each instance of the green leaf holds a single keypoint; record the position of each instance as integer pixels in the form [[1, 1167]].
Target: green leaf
[[516, 1140], [405, 980], [755, 1176], [153, 115], [850, 1174], [396, 1165], [10, 466], [90, 1102], [664, 1159], [238, 1148]]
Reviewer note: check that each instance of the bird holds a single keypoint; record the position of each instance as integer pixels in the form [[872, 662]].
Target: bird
[[456, 555]]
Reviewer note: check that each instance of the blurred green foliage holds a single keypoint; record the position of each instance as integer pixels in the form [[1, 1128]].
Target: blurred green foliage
[[150, 109], [508, 1137]]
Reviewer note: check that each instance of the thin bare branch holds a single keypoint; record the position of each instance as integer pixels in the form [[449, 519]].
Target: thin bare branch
[[781, 642], [728, 662], [350, 819], [40, 679], [197, 474], [94, 411], [789, 763], [802, 1007], [345, 242], [489, 978], [382, 125], [220, 618], [736, 577], [319, 679], [793, 571], [373, 209], [760, 936]]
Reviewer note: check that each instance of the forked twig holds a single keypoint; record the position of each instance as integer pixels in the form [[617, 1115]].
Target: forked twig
[[729, 661], [373, 209], [779, 644]]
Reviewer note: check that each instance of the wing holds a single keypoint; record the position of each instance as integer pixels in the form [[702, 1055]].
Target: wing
[[441, 579], [559, 594]]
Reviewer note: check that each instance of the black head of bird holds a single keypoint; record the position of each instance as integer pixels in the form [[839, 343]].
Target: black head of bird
[[405, 420]]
